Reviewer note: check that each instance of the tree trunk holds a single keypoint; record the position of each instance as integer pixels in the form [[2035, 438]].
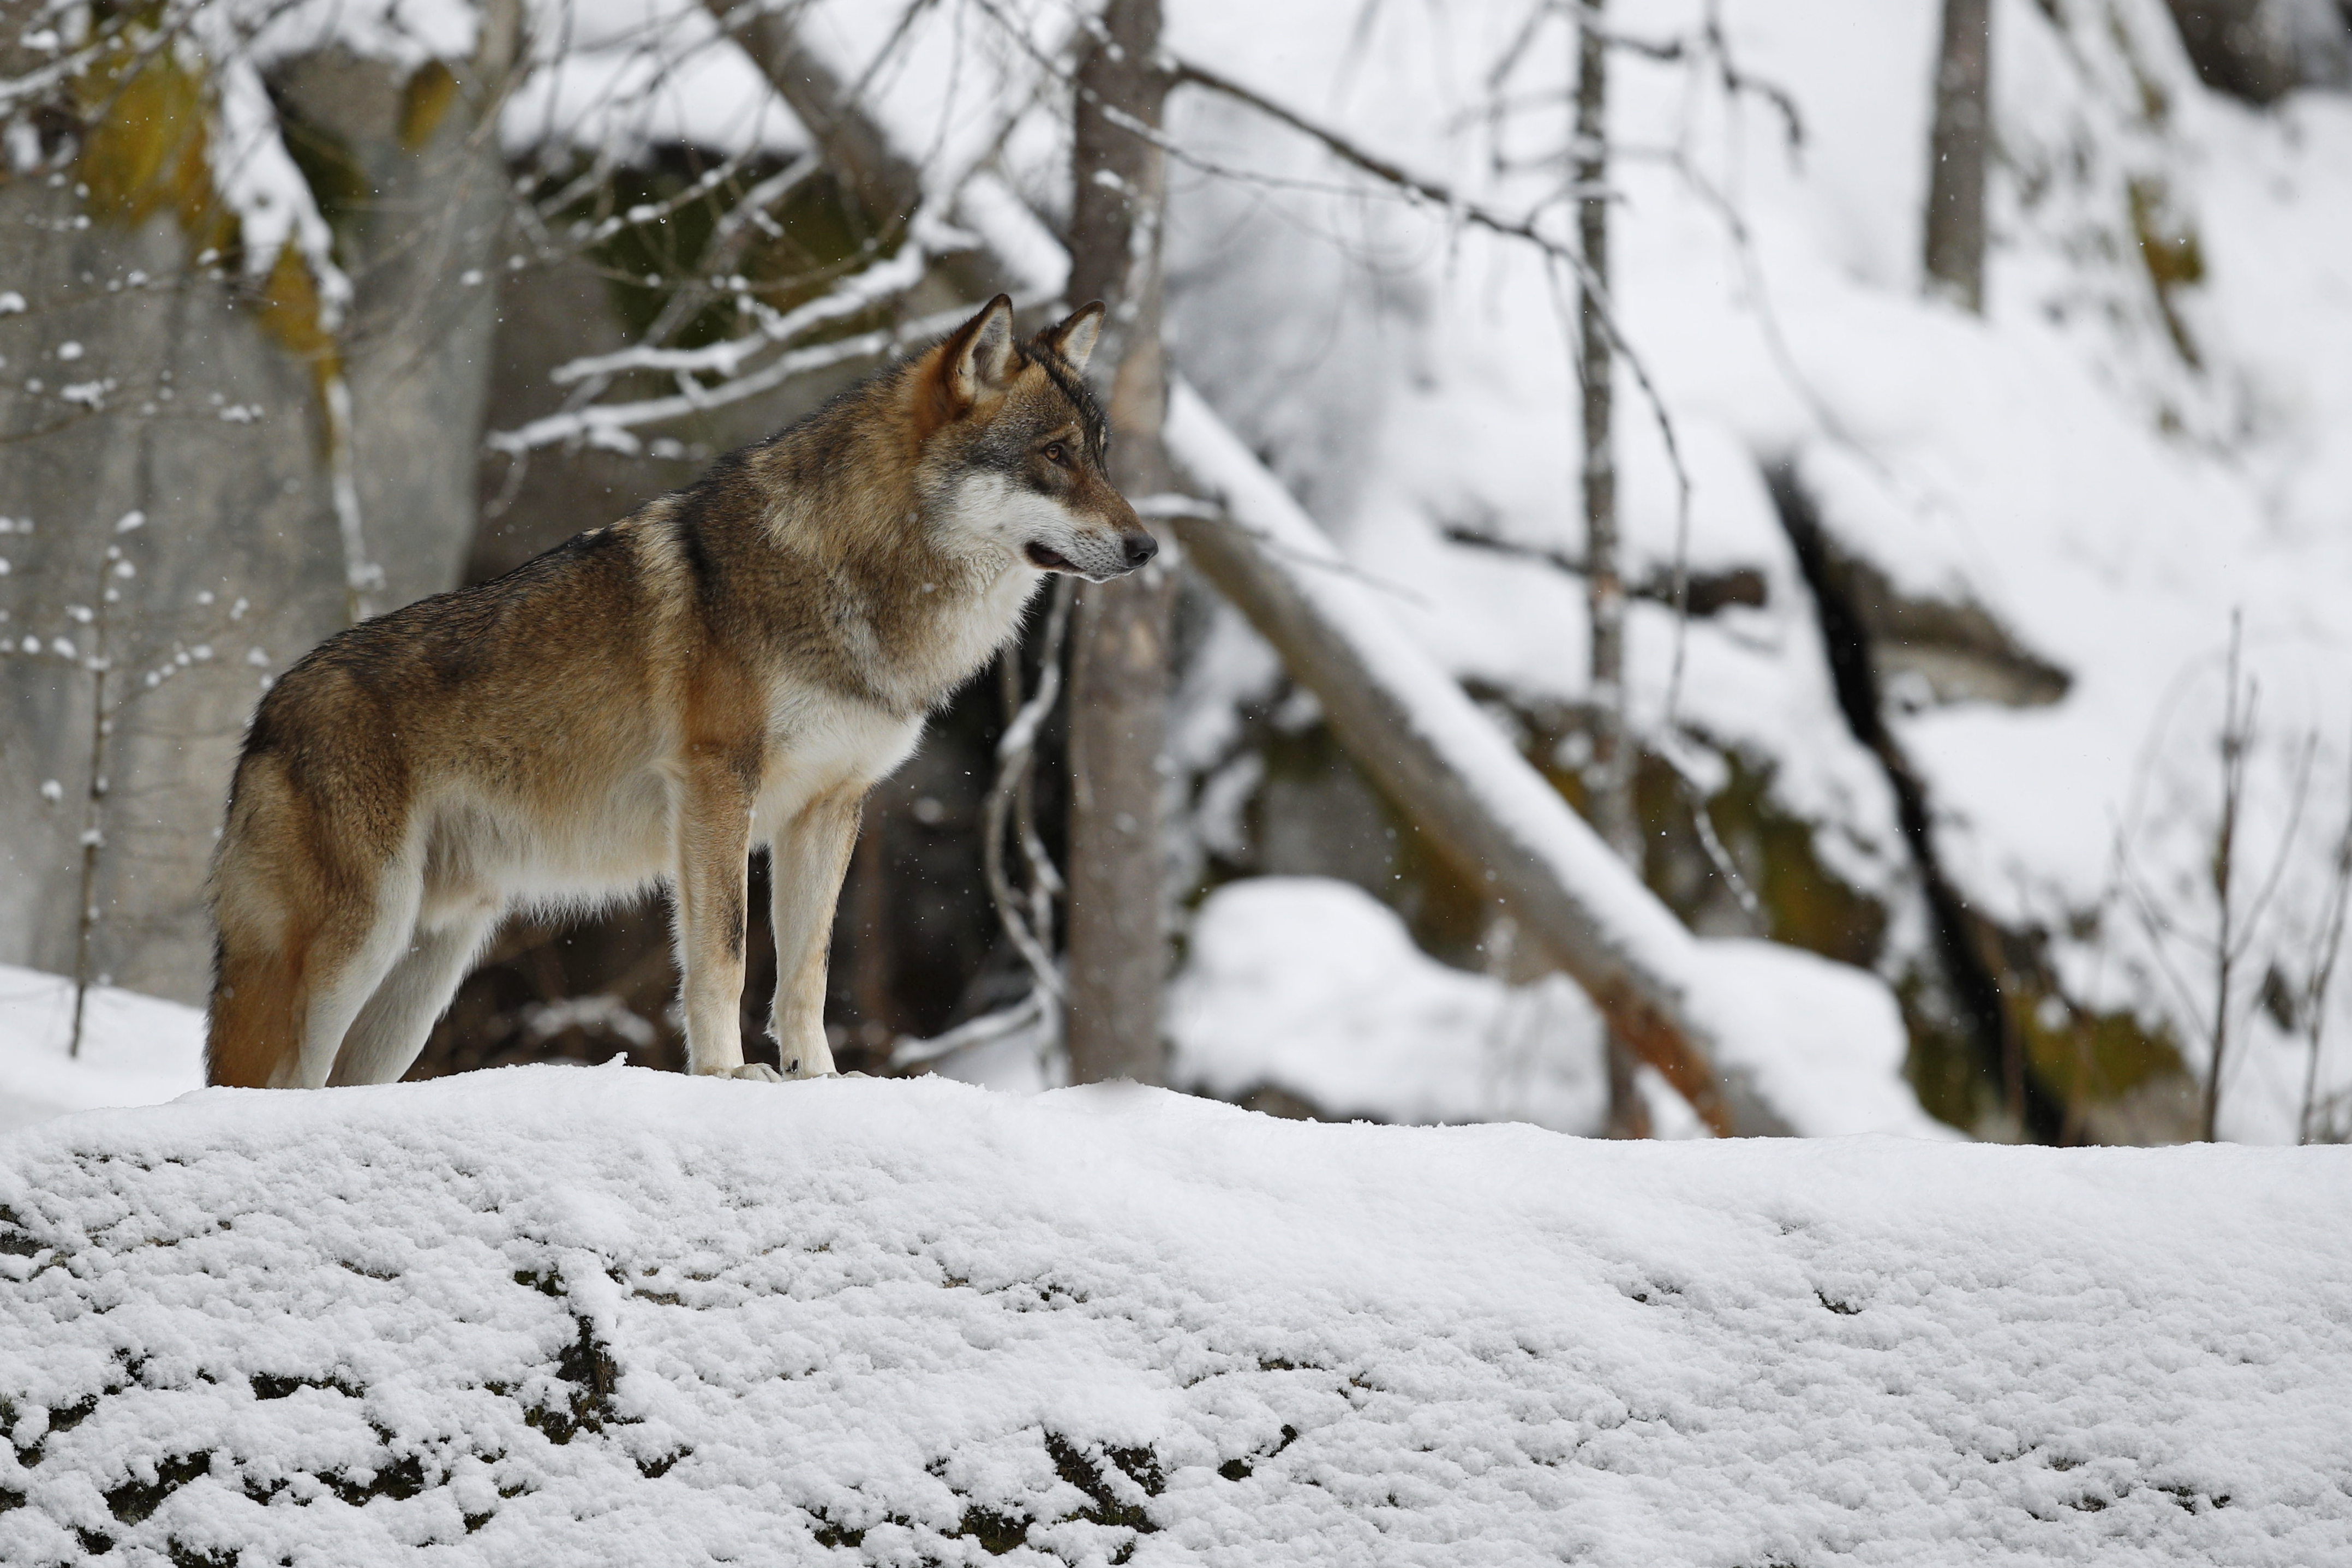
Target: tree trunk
[[1119, 688], [1609, 781], [2260, 50], [883, 183], [1958, 147]]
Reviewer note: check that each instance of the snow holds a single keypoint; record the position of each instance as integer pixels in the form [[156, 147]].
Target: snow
[[1822, 1043], [619, 77], [553, 1315], [1623, 916], [1314, 987], [2061, 464], [1528, 809], [136, 1050]]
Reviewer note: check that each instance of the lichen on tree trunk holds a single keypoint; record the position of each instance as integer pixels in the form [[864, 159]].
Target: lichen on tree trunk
[[202, 411]]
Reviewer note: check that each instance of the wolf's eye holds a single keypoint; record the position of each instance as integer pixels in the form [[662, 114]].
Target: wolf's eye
[[1058, 453]]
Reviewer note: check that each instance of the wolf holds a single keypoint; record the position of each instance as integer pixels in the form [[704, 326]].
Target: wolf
[[739, 660]]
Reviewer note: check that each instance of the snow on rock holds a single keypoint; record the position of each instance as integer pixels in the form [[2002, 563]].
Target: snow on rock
[[1822, 1043], [1314, 987], [620, 78], [559, 1315], [136, 1050]]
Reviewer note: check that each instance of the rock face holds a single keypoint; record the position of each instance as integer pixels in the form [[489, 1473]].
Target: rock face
[[175, 537]]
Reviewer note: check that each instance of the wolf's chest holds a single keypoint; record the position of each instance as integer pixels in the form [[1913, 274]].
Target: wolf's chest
[[821, 744]]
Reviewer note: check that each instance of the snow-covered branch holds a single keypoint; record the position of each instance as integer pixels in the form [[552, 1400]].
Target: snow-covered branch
[[609, 424], [885, 281]]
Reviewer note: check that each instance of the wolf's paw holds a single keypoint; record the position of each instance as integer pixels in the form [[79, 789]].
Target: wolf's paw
[[811, 1059], [758, 1072]]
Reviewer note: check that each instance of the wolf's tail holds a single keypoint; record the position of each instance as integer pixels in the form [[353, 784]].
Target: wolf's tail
[[265, 883], [254, 1035]]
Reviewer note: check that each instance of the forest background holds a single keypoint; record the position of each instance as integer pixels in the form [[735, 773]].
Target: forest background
[[1880, 467]]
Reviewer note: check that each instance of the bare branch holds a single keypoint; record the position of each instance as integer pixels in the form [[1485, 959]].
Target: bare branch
[[884, 280], [1015, 751], [2322, 969], [1602, 304]]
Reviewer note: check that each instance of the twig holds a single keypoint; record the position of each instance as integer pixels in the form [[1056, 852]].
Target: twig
[[1602, 305], [2236, 732], [884, 280], [1029, 1013], [93, 828], [1191, 509], [2322, 972]]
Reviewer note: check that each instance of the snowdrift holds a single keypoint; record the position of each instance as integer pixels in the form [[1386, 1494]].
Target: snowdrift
[[135, 1049], [564, 1315]]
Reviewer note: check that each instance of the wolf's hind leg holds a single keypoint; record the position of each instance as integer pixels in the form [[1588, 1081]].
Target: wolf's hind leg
[[384, 1041], [350, 958], [806, 862]]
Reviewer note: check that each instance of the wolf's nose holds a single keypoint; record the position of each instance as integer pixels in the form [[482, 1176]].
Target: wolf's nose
[[1140, 547]]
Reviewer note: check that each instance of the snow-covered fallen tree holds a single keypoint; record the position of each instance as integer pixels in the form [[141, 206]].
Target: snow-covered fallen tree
[[552, 1315]]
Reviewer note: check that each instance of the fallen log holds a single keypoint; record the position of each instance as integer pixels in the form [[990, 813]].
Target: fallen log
[[1409, 726]]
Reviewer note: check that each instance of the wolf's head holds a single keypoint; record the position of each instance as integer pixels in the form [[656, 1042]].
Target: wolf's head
[[1013, 447]]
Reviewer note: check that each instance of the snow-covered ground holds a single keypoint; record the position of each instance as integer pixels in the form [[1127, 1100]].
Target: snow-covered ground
[[135, 1049], [560, 1315]]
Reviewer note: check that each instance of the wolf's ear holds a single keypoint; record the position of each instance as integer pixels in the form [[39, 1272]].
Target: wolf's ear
[[1074, 339], [980, 354]]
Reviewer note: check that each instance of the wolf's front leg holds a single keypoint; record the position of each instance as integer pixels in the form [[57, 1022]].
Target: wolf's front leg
[[714, 851], [806, 862]]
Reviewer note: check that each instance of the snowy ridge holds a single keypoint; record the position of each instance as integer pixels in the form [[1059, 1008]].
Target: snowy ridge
[[552, 1315]]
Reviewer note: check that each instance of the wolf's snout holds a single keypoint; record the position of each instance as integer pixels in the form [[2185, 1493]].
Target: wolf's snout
[[1140, 547]]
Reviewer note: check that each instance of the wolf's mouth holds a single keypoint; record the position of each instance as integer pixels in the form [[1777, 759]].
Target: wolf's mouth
[[1046, 560]]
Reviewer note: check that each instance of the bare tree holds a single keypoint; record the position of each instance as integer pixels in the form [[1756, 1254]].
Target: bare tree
[[1609, 777], [2237, 732], [2239, 912], [2319, 974], [1957, 152], [1610, 774], [1119, 669]]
